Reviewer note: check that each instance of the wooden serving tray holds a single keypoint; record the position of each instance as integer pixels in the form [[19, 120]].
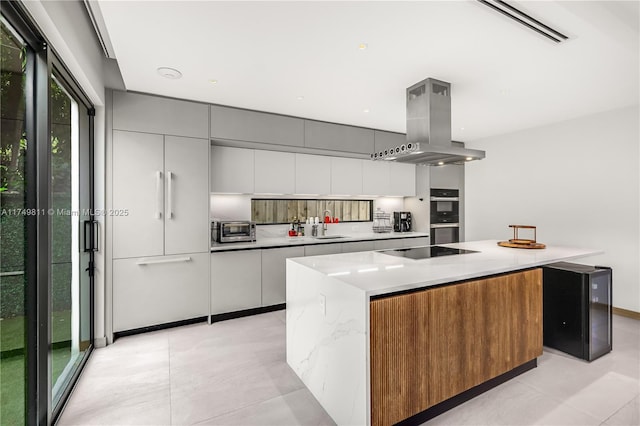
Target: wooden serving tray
[[529, 245]]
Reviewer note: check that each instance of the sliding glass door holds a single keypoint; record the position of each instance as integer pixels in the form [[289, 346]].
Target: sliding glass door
[[46, 228], [13, 247], [71, 208]]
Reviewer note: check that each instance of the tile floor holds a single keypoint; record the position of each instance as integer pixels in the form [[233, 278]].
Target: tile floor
[[235, 373]]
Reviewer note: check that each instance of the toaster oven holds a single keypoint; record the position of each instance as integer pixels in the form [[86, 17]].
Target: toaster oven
[[233, 231]]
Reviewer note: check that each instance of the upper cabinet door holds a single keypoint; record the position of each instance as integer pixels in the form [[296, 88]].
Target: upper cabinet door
[[138, 182], [232, 170], [275, 172], [402, 179], [337, 137], [186, 195], [388, 140], [152, 114], [346, 176], [375, 177], [244, 125], [313, 174]]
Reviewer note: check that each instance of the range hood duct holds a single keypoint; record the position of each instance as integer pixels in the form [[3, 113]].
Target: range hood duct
[[429, 129]]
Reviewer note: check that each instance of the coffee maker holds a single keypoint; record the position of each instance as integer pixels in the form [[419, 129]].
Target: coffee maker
[[402, 221]]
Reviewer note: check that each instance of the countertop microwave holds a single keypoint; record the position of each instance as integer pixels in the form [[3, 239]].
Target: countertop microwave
[[233, 231]]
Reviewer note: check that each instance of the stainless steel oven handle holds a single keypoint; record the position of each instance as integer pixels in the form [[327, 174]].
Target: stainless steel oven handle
[[445, 225], [445, 198]]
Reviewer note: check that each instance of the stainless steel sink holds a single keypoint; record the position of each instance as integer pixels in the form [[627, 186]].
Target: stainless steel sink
[[330, 237]]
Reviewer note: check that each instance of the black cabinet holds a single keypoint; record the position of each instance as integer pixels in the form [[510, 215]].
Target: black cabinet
[[577, 309]]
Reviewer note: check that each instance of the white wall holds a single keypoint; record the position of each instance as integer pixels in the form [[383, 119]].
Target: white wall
[[577, 181]]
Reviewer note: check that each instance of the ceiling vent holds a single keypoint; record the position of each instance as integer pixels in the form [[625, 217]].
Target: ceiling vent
[[523, 19]]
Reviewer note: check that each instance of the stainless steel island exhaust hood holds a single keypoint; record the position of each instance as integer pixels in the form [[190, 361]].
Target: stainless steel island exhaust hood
[[429, 129]]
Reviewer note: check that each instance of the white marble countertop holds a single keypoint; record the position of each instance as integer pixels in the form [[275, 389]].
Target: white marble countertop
[[377, 273], [273, 242]]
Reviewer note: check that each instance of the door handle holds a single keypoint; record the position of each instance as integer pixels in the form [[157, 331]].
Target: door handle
[[170, 195], [158, 214], [146, 261], [91, 235]]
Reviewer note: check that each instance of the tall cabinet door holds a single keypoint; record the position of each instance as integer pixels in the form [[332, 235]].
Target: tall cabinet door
[[186, 195], [138, 201]]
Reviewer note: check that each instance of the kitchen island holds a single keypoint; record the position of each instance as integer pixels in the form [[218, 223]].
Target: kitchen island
[[379, 338]]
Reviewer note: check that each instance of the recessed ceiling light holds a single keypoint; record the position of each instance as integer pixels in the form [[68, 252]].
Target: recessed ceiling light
[[462, 128], [363, 46], [468, 158], [170, 73], [213, 81], [440, 163], [365, 110], [300, 98], [505, 91]]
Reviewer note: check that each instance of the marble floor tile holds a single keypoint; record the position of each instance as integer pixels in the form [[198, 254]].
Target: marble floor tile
[[295, 408], [514, 403], [627, 415], [235, 373]]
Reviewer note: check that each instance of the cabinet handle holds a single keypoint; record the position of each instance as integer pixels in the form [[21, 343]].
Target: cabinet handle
[[158, 214], [170, 195], [157, 261]]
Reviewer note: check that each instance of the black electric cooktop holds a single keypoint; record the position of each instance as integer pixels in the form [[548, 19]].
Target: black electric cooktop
[[426, 252]]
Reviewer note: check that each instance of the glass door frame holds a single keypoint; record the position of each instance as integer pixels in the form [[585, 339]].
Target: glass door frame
[[40, 62]]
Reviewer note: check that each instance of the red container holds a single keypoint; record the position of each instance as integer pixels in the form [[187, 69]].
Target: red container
[[327, 219]]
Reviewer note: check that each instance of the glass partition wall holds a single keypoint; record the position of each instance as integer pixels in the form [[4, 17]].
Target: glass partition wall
[[46, 251]]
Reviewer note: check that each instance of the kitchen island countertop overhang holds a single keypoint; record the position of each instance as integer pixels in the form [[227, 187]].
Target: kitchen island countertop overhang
[[330, 314]]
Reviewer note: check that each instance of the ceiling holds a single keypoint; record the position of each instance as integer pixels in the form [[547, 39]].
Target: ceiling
[[302, 58]]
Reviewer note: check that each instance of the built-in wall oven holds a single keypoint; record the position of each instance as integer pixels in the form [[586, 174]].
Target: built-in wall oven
[[445, 216]]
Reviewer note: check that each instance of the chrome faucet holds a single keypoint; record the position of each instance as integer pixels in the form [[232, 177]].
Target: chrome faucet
[[324, 222]]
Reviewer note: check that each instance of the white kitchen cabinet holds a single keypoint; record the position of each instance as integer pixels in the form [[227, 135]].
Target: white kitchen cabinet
[[244, 125], [357, 246], [236, 282], [138, 167], [275, 172], [416, 242], [232, 170], [337, 137], [322, 249], [375, 177], [448, 176], [346, 176], [387, 140], [159, 289], [313, 174], [160, 195], [402, 179], [153, 114], [186, 221], [274, 279], [388, 244]]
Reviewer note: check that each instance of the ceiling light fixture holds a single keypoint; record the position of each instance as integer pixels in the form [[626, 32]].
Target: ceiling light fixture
[[522, 18], [169, 73], [300, 98], [365, 110], [440, 163], [363, 46], [213, 81], [468, 158]]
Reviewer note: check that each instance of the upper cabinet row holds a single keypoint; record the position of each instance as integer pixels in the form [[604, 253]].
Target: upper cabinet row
[[153, 114], [238, 170]]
